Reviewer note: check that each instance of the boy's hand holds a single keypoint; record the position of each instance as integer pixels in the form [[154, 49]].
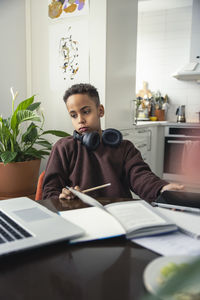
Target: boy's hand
[[172, 187], [67, 195]]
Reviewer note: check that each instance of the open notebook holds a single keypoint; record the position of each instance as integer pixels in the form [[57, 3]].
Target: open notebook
[[129, 218], [26, 224]]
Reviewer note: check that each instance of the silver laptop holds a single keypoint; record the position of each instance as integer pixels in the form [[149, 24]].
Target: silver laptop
[[25, 224]]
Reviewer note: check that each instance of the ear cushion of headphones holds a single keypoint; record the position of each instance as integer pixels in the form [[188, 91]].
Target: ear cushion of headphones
[[91, 140], [77, 136], [112, 137]]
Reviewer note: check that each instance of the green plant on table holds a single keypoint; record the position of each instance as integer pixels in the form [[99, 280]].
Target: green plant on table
[[184, 283], [22, 136]]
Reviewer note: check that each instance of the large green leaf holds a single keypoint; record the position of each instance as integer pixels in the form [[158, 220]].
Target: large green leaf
[[35, 153], [22, 106], [6, 122], [33, 106], [25, 104], [56, 133], [4, 130], [31, 134], [8, 157], [43, 152], [27, 115], [44, 143], [5, 134]]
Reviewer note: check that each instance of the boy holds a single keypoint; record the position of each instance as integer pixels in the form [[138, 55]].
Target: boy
[[71, 163]]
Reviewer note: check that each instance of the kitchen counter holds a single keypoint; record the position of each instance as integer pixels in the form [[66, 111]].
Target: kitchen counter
[[151, 123], [166, 123]]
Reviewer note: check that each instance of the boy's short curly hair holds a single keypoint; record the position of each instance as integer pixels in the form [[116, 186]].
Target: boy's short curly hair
[[83, 88]]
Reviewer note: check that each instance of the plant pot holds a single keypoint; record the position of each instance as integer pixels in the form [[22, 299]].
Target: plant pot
[[160, 114], [19, 179]]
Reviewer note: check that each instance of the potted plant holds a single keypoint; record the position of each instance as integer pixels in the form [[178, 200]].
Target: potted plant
[[22, 146], [159, 101]]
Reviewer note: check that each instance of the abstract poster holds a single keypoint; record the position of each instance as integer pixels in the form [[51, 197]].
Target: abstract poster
[[67, 8], [68, 53]]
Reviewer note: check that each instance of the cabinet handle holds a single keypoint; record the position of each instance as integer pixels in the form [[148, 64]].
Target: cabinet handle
[[141, 131], [141, 146], [133, 111], [176, 142], [149, 139]]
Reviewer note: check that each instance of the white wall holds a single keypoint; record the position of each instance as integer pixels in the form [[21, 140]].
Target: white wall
[[163, 47], [12, 52], [97, 33], [121, 42], [55, 112], [54, 107], [113, 57]]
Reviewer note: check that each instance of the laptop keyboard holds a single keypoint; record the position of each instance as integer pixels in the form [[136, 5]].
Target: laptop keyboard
[[10, 230]]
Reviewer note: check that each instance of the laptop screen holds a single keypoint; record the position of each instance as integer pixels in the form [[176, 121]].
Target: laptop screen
[[182, 198]]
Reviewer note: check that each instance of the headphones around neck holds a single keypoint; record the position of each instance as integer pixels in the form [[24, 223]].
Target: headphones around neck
[[111, 137]]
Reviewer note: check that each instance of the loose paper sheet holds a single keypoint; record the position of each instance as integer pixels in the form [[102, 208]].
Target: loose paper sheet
[[187, 222], [176, 243]]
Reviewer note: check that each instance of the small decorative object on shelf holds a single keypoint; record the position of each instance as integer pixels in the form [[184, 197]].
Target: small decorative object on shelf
[[143, 103], [151, 105], [142, 109]]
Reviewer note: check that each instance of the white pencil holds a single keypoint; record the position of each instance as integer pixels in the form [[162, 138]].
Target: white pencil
[[94, 188]]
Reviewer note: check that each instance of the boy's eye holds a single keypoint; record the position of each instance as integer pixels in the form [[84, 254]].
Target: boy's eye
[[73, 115], [87, 111]]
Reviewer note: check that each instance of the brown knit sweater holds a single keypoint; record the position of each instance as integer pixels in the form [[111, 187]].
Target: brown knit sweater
[[71, 164]]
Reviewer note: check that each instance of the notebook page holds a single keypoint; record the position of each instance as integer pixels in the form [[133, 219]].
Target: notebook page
[[135, 215], [97, 223]]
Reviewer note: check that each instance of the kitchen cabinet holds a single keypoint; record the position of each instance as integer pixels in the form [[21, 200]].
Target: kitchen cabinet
[[143, 142], [152, 147], [141, 138], [155, 135], [157, 150], [149, 140]]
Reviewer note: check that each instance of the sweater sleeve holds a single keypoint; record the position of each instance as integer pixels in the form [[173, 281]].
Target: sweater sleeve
[[56, 173], [142, 180]]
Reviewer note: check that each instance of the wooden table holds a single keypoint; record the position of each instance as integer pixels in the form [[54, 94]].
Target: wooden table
[[98, 270]]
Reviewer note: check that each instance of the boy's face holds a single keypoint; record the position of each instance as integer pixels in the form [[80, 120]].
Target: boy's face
[[84, 113]]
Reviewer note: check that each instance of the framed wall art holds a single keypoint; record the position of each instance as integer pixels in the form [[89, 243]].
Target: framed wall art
[[68, 53], [67, 8]]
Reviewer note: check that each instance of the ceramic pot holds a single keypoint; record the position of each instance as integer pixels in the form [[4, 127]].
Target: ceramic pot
[[160, 114], [19, 179]]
